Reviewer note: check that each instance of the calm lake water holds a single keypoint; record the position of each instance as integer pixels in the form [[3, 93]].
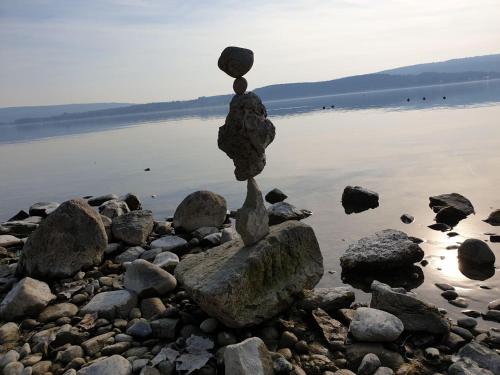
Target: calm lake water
[[406, 152]]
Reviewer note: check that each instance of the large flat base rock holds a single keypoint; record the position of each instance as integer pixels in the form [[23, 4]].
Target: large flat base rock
[[243, 286]]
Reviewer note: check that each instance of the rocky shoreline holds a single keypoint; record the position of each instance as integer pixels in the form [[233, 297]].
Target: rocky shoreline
[[128, 305]]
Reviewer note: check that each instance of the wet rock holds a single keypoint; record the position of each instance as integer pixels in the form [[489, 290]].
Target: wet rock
[[252, 221], [482, 355], [250, 357], [441, 227], [246, 134], [235, 61], [382, 251], [114, 365], [449, 294], [450, 215], [462, 332], [237, 284], [129, 255], [110, 305], [357, 199], [457, 201], [43, 209], [476, 251], [200, 209], [283, 211], [467, 367], [275, 196], [133, 202], [459, 302], [9, 332], [55, 312], [492, 315], [372, 325], [328, 299], [369, 364], [27, 298], [494, 305], [97, 201], [145, 278], [407, 219], [114, 208], [415, 314], [356, 352], [71, 238], [444, 286], [493, 218], [133, 227]]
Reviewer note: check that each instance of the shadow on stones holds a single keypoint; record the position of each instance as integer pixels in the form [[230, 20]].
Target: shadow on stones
[[476, 272], [350, 208], [408, 278]]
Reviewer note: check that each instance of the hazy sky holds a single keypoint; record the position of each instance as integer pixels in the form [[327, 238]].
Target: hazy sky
[[69, 51]]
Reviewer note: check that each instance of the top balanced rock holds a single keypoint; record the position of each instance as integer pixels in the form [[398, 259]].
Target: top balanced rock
[[236, 61]]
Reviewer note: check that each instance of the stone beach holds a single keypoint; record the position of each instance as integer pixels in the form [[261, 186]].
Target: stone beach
[[100, 286]]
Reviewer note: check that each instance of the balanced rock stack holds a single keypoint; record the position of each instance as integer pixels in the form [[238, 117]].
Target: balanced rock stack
[[246, 281]]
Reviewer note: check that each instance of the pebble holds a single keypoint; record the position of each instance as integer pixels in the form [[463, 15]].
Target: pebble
[[432, 353], [472, 313], [444, 286], [10, 356], [468, 323], [449, 295], [13, 368], [9, 332], [140, 329], [369, 364], [209, 325], [288, 340], [459, 302]]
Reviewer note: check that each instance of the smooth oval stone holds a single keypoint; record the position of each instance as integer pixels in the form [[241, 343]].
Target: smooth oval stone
[[240, 85], [235, 61]]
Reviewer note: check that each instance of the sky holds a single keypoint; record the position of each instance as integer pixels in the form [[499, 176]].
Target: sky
[[138, 51]]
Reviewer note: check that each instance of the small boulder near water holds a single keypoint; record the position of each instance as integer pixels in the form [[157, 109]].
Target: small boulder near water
[[43, 209], [476, 251], [275, 196], [71, 238], [133, 227], [284, 211], [200, 209], [493, 218], [450, 208], [243, 286], [372, 325], [249, 357], [382, 251], [357, 199], [27, 298], [416, 315]]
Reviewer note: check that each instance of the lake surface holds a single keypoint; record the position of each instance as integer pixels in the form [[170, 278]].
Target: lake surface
[[405, 152]]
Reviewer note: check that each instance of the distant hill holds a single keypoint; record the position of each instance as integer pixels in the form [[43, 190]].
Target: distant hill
[[10, 114], [488, 63]]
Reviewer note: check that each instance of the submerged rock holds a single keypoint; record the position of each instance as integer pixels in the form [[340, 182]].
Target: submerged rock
[[493, 218], [27, 298], [450, 208], [246, 134], [476, 251], [415, 314], [249, 357], [252, 221], [382, 251], [450, 215], [200, 209], [243, 286], [71, 238], [357, 199], [97, 201]]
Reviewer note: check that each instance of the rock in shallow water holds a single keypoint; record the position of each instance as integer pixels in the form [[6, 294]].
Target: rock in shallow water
[[27, 298], [358, 199], [415, 314], [382, 251], [246, 134], [71, 238], [252, 221], [243, 286], [476, 251], [200, 209], [284, 211], [493, 218], [455, 200]]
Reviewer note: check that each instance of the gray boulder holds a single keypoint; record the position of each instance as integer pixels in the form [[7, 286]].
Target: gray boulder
[[169, 243], [113, 209], [467, 367], [284, 211], [455, 200], [129, 255], [252, 221], [493, 218], [111, 305], [235, 61], [374, 325], [415, 314], [71, 238], [482, 355], [145, 279], [133, 227], [27, 298], [382, 251], [242, 286], [476, 251], [246, 134], [114, 365], [249, 357], [200, 209]]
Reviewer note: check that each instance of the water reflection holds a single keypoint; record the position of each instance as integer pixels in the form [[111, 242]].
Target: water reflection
[[408, 278]]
